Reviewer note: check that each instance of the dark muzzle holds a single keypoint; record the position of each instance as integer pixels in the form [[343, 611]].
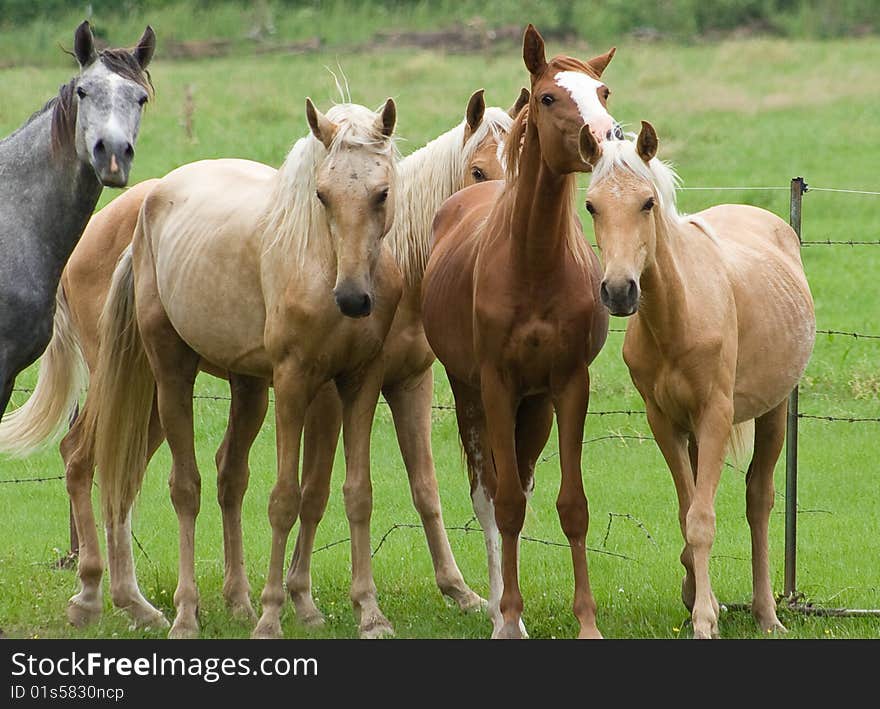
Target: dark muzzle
[[620, 297], [352, 301], [112, 161]]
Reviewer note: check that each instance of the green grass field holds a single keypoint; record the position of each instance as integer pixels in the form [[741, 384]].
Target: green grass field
[[750, 113]]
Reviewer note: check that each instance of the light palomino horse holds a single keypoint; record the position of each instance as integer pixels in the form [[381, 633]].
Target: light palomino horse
[[464, 155], [721, 328], [467, 154], [54, 168], [510, 307], [269, 275]]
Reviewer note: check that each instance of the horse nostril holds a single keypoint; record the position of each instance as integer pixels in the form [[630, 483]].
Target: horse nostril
[[603, 292], [100, 148], [633, 291], [129, 151], [366, 304]]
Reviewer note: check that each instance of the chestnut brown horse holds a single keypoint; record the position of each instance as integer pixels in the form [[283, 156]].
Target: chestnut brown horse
[[510, 308], [721, 328]]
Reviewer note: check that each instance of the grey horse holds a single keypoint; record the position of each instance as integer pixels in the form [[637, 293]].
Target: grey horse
[[52, 171]]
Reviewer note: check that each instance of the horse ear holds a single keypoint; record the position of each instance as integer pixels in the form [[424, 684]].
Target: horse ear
[[598, 64], [84, 45], [146, 45], [475, 109], [520, 102], [388, 118], [533, 51], [588, 147], [647, 144], [322, 127]]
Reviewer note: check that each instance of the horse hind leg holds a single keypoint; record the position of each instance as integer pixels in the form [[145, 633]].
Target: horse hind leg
[[410, 403], [481, 475], [124, 590], [250, 398], [320, 436], [85, 606], [760, 493]]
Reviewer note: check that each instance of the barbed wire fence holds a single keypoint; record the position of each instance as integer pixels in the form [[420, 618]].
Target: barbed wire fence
[[795, 600]]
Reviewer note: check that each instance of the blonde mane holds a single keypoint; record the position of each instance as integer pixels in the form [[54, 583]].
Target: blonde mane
[[622, 155], [295, 220], [426, 178]]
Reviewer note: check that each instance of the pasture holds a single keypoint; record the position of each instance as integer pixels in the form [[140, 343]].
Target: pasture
[[737, 113]]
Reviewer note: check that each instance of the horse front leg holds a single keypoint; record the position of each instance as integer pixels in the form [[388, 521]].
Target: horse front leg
[[293, 390], [570, 401], [713, 433], [410, 403], [499, 406], [359, 398], [320, 436], [250, 399], [674, 444]]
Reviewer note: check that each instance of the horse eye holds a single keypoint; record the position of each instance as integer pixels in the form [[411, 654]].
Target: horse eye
[[80, 92], [142, 100], [648, 205], [383, 195], [606, 92], [590, 208], [478, 175], [320, 197], [547, 99]]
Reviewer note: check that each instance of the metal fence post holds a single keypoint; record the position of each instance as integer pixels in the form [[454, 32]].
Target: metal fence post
[[798, 187]]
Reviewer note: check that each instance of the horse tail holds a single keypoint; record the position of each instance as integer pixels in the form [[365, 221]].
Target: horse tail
[[117, 411], [742, 442], [62, 377]]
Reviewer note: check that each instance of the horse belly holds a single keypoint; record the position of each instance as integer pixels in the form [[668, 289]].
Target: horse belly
[[209, 286], [777, 330]]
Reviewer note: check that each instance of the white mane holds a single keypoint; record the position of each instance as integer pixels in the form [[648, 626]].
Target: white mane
[[295, 219], [622, 154], [426, 178]]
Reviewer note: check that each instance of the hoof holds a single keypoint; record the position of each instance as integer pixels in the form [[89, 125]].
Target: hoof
[[376, 627], [267, 630], [243, 612], [81, 615], [510, 631], [589, 634], [143, 619], [312, 621], [183, 631], [471, 603]]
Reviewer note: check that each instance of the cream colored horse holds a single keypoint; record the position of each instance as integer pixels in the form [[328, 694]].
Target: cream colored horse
[[269, 275], [721, 329]]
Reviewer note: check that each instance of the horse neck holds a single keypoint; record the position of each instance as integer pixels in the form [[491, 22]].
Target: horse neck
[[541, 214], [65, 188], [426, 178], [663, 302]]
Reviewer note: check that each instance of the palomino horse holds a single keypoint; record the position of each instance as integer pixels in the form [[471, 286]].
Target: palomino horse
[[705, 353], [510, 307], [302, 292], [466, 154], [54, 168]]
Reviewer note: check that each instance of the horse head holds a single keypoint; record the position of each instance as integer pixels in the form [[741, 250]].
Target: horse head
[[354, 184], [108, 98], [567, 96]]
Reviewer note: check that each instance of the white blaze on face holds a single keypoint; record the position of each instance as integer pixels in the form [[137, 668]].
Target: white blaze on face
[[584, 91]]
